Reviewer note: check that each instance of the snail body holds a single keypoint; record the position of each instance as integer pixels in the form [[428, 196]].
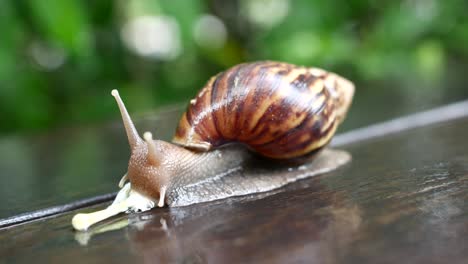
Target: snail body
[[271, 109]]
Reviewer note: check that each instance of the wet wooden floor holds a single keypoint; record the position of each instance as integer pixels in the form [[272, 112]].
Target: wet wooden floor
[[402, 199]]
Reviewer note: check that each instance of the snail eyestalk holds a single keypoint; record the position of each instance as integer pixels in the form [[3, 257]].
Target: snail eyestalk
[[153, 157], [126, 200], [132, 134]]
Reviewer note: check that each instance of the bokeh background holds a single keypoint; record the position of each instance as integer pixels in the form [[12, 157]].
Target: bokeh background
[[60, 59]]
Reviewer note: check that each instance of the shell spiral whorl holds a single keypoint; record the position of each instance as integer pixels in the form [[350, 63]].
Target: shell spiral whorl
[[277, 109]]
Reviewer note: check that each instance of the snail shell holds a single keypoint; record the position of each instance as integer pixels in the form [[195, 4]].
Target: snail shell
[[279, 110]]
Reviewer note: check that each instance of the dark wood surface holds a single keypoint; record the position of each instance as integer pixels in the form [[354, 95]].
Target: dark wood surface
[[403, 199]]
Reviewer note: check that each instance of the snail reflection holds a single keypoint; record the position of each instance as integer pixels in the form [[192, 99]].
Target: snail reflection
[[311, 223]]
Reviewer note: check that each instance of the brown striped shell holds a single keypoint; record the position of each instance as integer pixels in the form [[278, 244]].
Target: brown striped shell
[[277, 109]]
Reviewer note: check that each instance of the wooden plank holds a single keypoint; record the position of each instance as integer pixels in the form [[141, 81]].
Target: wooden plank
[[401, 199]]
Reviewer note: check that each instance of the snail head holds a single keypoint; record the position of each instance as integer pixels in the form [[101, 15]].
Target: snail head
[[151, 161], [149, 170]]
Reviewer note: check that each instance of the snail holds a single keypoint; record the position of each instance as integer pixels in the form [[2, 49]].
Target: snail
[[272, 111]]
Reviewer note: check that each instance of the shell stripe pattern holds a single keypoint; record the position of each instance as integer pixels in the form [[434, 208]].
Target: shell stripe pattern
[[277, 109]]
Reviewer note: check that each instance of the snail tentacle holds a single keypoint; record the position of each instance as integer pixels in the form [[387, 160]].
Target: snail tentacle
[[153, 156], [123, 180], [132, 134], [162, 195]]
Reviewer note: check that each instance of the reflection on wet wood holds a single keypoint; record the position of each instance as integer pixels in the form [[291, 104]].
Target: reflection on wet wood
[[247, 230], [401, 199]]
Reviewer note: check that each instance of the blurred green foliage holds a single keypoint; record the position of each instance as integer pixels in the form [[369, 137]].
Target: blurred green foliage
[[60, 59]]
